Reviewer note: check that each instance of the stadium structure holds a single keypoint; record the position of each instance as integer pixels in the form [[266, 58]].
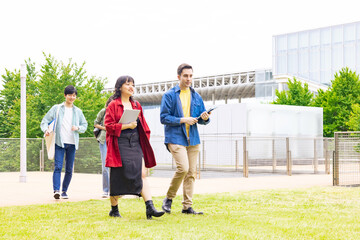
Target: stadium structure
[[312, 56]]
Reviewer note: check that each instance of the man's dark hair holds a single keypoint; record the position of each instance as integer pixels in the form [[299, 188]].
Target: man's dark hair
[[182, 67], [70, 90]]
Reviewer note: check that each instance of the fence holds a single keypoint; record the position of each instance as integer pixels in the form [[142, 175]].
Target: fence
[[257, 154], [218, 153], [347, 159], [87, 159]]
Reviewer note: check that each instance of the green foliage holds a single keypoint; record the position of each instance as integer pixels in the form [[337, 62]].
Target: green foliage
[[314, 213], [339, 101], [354, 119], [297, 94], [45, 89]]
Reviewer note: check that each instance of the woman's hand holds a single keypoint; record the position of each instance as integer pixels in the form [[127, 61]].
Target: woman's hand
[[132, 125]]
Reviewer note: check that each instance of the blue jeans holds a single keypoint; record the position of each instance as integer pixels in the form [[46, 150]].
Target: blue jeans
[[69, 152], [105, 170]]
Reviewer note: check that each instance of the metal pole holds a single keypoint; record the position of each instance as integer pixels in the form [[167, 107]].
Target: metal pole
[[23, 124], [245, 160], [327, 165], [288, 157], [274, 156], [316, 163], [42, 155], [203, 154], [336, 161], [198, 172], [236, 156]]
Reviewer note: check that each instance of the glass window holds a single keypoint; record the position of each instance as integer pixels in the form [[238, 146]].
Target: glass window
[[273, 46], [268, 75], [292, 62], [268, 90], [314, 76], [281, 64], [292, 41], [260, 76], [325, 77], [314, 38], [358, 58], [349, 56], [281, 43], [303, 39], [337, 57], [304, 62], [259, 90], [358, 31], [326, 36], [337, 34], [314, 59], [325, 58], [349, 32]]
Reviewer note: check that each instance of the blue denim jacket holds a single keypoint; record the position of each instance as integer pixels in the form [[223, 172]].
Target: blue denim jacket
[[171, 112], [78, 121]]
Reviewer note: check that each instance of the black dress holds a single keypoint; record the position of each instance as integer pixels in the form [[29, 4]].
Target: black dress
[[126, 180]]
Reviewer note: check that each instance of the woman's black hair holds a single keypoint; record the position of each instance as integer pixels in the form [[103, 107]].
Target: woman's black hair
[[119, 82]]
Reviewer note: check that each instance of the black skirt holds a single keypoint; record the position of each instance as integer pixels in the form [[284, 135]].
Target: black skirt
[[126, 180]]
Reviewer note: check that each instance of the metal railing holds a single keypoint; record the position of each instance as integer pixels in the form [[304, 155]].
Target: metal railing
[[346, 166], [281, 155]]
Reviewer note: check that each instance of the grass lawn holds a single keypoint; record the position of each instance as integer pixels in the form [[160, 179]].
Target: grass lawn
[[313, 213]]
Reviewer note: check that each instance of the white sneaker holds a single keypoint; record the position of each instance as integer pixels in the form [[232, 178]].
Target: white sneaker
[[105, 195], [56, 194], [64, 195]]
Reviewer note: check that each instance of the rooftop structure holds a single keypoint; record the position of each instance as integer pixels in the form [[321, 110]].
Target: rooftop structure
[[312, 56]]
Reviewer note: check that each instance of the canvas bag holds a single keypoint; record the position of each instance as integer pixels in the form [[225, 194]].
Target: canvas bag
[[50, 140]]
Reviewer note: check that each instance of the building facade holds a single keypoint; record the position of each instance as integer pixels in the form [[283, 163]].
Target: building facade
[[317, 54]]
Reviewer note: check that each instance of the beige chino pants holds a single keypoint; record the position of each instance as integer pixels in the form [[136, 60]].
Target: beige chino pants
[[185, 159]]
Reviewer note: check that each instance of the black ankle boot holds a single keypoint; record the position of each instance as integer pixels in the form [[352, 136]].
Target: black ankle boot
[[151, 211], [114, 211]]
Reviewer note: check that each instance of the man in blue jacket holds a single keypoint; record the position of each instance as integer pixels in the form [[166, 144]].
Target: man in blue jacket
[[180, 108]]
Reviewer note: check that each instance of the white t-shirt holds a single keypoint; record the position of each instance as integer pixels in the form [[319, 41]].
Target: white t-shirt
[[67, 135]]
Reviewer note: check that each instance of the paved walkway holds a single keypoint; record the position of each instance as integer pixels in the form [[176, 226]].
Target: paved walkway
[[38, 188]]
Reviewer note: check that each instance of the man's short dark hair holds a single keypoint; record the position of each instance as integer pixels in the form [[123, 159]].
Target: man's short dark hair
[[70, 90], [182, 67]]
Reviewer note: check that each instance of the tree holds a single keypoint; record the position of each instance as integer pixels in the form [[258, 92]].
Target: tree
[[354, 119], [44, 90], [340, 102], [296, 95]]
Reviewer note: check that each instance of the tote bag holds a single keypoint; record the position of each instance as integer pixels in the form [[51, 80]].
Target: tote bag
[[50, 140]]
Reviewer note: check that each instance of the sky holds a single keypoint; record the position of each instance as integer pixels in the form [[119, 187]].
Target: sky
[[148, 39]]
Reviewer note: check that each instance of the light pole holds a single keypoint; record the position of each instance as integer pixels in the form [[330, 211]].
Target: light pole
[[23, 124]]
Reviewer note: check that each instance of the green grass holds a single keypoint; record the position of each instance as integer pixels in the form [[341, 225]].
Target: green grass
[[314, 213]]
